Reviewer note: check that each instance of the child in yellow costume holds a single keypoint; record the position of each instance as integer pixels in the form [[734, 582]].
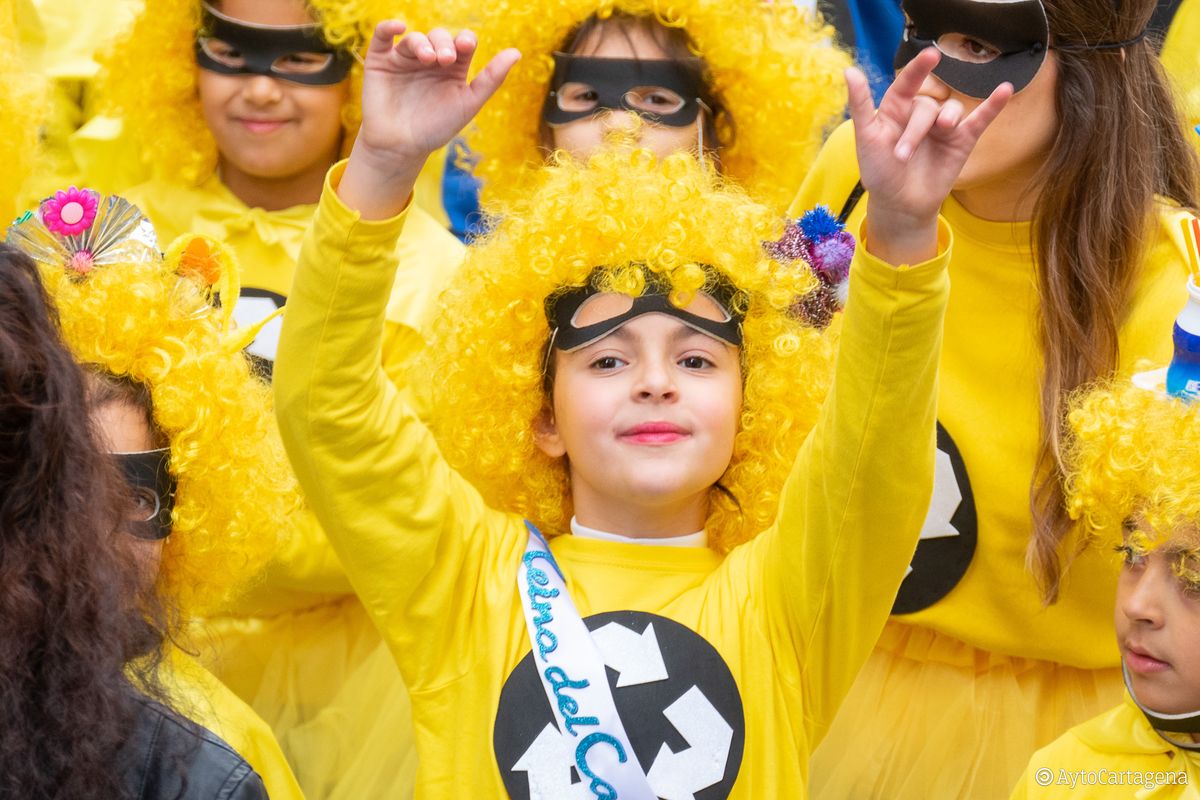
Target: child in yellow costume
[[1181, 57], [1060, 276], [247, 106], [619, 364], [218, 483], [22, 111], [1132, 479], [756, 85]]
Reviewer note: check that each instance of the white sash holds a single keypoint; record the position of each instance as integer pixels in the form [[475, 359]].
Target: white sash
[[571, 670]]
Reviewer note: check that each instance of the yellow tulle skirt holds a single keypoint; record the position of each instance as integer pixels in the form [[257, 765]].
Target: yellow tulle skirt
[[329, 688], [932, 718]]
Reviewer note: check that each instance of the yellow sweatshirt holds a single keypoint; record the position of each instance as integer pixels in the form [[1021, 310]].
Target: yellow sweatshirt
[[773, 633], [198, 695], [1116, 756], [988, 406]]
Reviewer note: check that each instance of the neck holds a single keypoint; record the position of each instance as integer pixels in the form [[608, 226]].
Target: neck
[[639, 520], [275, 194], [1009, 198]]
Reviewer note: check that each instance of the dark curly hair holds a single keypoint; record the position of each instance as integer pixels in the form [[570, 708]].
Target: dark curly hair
[[73, 625]]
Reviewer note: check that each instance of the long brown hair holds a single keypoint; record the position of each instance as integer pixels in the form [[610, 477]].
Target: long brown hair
[[71, 618], [1120, 142]]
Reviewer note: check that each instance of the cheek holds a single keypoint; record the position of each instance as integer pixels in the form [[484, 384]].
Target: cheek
[[665, 140], [579, 138], [322, 107]]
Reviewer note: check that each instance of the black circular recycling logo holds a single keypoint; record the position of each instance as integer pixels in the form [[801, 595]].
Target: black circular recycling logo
[[253, 306], [677, 700], [948, 537]]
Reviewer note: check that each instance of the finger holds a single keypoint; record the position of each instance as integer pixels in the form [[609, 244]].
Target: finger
[[465, 44], [417, 45], [925, 112], [443, 45], [384, 36], [950, 115], [862, 107], [909, 80], [492, 76], [986, 112]]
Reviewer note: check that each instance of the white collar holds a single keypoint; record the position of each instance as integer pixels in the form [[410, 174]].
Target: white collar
[[697, 539]]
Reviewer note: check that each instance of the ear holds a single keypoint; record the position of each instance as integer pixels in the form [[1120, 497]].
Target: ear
[[545, 434]]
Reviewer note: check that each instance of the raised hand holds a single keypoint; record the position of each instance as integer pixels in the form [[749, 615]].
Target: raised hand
[[910, 153], [416, 98]]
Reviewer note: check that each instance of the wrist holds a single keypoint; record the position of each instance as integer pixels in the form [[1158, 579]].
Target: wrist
[[900, 237], [377, 184]]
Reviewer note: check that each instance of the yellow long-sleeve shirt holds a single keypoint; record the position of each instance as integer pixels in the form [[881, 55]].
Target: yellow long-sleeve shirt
[[991, 366], [791, 615], [1116, 756]]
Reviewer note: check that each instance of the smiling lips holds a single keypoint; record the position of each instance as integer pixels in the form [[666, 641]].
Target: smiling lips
[[261, 125], [655, 433], [1142, 662]]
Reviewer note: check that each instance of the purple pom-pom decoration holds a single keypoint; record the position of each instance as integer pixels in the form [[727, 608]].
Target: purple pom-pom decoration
[[831, 257], [819, 223], [791, 246]]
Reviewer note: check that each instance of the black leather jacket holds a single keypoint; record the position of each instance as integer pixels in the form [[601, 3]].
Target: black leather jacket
[[167, 757]]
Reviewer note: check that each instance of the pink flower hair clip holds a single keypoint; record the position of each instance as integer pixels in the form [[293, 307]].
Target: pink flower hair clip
[[79, 230], [70, 212]]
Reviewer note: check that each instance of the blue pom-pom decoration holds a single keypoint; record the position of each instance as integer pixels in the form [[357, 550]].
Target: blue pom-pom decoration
[[819, 223]]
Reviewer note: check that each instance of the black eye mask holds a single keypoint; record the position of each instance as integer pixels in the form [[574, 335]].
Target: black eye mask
[[561, 310], [613, 78], [148, 475], [1017, 28], [262, 46]]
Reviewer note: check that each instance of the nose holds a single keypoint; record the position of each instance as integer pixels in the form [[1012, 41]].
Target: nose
[[934, 88], [1141, 599], [262, 90], [618, 119], [655, 382]]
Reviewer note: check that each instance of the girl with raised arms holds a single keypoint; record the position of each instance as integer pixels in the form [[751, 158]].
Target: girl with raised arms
[[1068, 255], [618, 365]]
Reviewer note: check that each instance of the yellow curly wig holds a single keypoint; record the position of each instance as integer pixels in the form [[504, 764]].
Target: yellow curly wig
[[142, 320], [1135, 456], [149, 78], [622, 208], [774, 66], [22, 110]]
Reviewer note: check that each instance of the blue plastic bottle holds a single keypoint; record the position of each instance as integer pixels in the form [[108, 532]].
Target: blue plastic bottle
[[1183, 376]]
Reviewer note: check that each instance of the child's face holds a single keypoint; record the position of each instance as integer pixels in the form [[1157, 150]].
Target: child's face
[[1014, 148], [269, 129], [646, 416], [583, 137], [1158, 631], [124, 429]]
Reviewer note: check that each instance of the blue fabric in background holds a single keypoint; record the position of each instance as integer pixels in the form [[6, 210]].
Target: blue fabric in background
[[460, 193], [878, 28]]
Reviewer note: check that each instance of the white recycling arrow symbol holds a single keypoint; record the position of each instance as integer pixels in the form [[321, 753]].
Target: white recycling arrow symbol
[[678, 776], [548, 763], [637, 658], [252, 310], [947, 496]]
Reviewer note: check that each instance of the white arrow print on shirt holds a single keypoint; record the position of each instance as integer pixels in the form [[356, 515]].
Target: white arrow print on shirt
[[252, 310], [548, 763], [637, 658], [678, 776], [944, 503]]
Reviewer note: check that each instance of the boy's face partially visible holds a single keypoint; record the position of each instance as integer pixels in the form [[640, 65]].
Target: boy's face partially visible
[[1158, 631], [270, 130], [646, 417]]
